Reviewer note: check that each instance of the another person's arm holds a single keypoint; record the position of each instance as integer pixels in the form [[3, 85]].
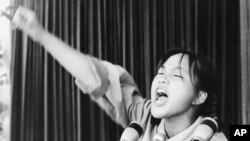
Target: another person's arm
[[109, 85], [75, 62]]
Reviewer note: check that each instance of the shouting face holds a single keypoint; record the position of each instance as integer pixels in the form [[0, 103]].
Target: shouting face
[[172, 92]]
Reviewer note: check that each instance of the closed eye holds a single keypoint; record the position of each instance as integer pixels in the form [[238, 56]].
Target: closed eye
[[178, 76], [160, 73]]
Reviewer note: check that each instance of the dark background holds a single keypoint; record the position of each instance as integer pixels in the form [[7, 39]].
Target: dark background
[[46, 104]]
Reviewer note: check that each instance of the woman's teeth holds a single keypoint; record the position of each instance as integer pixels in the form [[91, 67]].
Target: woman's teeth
[[160, 93], [161, 97]]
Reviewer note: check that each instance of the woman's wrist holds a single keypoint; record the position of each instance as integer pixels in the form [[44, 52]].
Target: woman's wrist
[[39, 35]]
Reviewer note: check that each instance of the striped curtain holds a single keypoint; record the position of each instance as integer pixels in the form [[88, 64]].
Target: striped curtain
[[245, 60], [47, 105]]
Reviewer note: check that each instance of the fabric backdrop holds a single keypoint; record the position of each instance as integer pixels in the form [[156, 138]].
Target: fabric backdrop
[[245, 60], [47, 105]]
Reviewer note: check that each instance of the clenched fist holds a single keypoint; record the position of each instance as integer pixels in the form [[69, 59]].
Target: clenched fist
[[27, 21]]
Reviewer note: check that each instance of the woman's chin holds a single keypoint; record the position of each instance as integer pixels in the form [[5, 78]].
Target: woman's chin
[[156, 113]]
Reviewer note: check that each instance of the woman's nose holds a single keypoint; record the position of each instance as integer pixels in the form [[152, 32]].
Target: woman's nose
[[163, 80]]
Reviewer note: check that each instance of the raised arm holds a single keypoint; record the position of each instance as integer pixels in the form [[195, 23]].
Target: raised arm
[[111, 86], [75, 62]]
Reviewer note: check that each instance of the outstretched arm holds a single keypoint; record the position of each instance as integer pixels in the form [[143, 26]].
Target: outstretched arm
[[121, 100], [75, 62]]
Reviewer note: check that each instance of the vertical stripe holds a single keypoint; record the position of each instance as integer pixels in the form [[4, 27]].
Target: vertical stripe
[[165, 26], [154, 41], [54, 90], [147, 61], [78, 44], [223, 30], [245, 62], [24, 63], [123, 23], [99, 27], [182, 25], [209, 28], [90, 27], [196, 26], [131, 33], [46, 137], [188, 19]]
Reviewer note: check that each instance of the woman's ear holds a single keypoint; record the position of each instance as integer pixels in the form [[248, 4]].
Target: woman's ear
[[201, 98]]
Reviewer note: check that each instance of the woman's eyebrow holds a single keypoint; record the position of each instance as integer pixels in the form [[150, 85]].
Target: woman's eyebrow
[[162, 67], [176, 68], [181, 69]]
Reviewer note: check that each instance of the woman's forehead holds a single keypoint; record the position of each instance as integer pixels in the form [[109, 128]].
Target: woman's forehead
[[177, 60]]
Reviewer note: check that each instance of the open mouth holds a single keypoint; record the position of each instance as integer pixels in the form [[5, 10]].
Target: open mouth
[[161, 93], [161, 96]]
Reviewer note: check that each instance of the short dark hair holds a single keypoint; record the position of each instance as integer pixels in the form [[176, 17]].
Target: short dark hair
[[203, 77]]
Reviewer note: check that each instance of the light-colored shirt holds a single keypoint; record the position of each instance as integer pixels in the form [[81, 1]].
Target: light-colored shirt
[[119, 96]]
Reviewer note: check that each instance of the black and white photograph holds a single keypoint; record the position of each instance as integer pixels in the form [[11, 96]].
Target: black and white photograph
[[124, 70]]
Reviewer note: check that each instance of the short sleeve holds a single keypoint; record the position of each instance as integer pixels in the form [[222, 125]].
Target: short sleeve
[[118, 94], [100, 74]]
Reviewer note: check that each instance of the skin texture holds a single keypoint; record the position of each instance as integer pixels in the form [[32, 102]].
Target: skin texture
[[177, 107]]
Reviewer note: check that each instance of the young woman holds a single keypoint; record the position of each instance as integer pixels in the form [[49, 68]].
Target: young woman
[[180, 94]]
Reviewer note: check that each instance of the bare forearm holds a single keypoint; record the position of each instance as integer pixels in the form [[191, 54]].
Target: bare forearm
[[77, 63]]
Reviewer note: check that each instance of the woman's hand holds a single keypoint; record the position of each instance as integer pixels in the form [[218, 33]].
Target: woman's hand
[[27, 21]]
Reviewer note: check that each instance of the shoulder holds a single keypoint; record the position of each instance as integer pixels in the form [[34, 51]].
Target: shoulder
[[219, 136]]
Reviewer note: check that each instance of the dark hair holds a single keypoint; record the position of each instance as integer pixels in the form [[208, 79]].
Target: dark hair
[[202, 76]]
